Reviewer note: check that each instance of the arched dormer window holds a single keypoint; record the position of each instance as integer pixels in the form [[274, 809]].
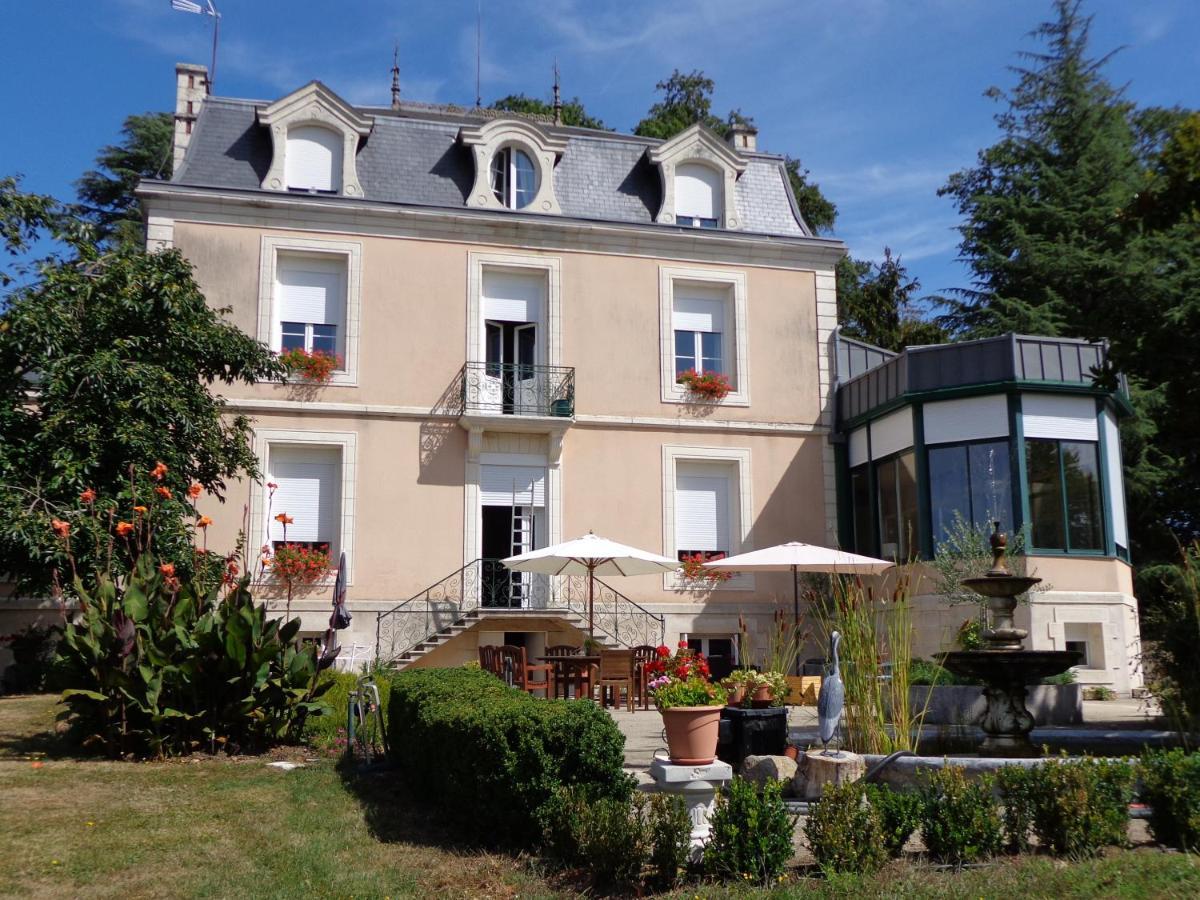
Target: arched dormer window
[[314, 159], [514, 166], [315, 137], [698, 172], [514, 177], [699, 195]]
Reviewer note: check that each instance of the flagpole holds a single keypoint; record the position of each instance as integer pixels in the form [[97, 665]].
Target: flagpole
[[212, 72]]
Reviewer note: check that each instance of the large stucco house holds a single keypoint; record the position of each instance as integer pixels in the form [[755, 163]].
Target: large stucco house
[[512, 300]]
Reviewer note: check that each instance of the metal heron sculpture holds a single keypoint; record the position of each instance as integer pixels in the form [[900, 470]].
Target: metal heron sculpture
[[832, 698]]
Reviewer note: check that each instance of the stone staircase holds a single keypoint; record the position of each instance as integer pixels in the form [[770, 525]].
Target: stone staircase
[[482, 589]]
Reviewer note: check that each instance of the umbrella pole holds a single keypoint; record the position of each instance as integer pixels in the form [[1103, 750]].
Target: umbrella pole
[[796, 611], [591, 601]]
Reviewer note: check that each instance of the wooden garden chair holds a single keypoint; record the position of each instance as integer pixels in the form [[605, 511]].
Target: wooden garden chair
[[517, 671], [643, 654], [617, 671]]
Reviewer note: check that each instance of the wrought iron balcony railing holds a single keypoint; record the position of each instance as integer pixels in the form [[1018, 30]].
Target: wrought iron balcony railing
[[515, 389]]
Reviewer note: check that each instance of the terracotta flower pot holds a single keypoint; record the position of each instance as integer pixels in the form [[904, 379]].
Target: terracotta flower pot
[[692, 734], [761, 698], [791, 751], [736, 695]]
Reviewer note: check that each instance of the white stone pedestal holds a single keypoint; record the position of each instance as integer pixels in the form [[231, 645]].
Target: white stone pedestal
[[698, 786]]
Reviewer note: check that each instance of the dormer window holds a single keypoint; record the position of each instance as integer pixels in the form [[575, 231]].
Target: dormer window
[[314, 160], [698, 172], [514, 166], [315, 137], [514, 178], [698, 200]]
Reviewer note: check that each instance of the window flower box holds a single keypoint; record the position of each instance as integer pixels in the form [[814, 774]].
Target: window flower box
[[691, 569], [707, 385], [315, 367]]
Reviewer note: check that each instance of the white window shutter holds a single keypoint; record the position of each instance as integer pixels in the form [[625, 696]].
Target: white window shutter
[[698, 191], [314, 159], [698, 314], [701, 512], [498, 485], [311, 290], [512, 296], [309, 491], [1056, 416]]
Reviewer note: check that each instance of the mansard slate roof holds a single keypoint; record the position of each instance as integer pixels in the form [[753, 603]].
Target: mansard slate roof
[[414, 157]]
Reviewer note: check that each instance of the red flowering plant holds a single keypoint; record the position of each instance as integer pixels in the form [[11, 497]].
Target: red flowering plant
[[681, 679], [691, 569], [315, 366], [291, 567], [709, 385]]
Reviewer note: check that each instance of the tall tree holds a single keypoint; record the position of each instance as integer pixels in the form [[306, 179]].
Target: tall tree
[[106, 191], [877, 303], [1042, 235], [108, 360], [573, 112], [1081, 221]]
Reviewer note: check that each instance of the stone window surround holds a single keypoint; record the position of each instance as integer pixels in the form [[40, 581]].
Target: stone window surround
[[671, 455], [698, 145], [314, 104], [487, 140], [738, 342], [272, 246], [347, 442], [551, 315]]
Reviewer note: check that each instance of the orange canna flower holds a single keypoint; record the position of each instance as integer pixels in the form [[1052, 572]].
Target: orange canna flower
[[140, 510], [158, 471], [61, 528], [171, 583], [194, 491], [167, 569], [163, 492], [88, 496], [203, 522], [284, 519], [124, 529]]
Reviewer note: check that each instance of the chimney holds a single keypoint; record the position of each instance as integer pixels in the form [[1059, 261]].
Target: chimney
[[191, 87], [742, 137]]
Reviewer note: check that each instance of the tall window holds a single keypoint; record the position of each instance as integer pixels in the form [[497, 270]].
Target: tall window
[[860, 500], [1064, 494], [698, 195], [514, 178], [971, 481], [309, 492], [314, 160], [698, 322], [896, 481], [311, 303], [703, 515]]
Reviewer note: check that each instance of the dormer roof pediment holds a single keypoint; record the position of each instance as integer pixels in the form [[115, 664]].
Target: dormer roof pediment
[[697, 142], [315, 102]]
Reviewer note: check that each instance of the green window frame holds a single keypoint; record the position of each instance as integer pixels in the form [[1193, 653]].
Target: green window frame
[[1065, 490]]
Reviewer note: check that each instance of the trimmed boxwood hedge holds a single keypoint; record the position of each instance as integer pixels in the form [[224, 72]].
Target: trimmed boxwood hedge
[[490, 755]]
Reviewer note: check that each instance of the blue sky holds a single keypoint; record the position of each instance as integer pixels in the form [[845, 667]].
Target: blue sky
[[881, 99]]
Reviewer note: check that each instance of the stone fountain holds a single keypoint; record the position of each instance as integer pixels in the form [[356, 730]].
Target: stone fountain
[[1004, 666]]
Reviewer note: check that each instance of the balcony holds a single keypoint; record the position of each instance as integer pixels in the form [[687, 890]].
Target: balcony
[[515, 389]]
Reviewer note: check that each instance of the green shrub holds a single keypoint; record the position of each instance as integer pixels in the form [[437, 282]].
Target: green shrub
[[751, 834], [561, 819], [670, 829], [899, 815], [845, 831], [1171, 787], [1074, 808], [1014, 785], [32, 651], [163, 667], [959, 820], [493, 755], [614, 841]]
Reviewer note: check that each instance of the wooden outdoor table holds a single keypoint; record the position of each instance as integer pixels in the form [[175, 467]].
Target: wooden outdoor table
[[571, 671]]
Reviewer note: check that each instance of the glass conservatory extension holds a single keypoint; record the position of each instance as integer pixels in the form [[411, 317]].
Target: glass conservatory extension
[[1014, 429]]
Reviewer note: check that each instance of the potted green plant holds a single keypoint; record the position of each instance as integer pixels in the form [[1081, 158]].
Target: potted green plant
[[689, 703], [770, 689], [737, 683]]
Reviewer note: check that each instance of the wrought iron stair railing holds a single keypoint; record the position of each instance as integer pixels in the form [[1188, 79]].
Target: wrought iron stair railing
[[486, 584]]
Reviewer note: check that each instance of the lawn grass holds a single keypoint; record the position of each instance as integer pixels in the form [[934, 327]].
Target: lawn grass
[[206, 827]]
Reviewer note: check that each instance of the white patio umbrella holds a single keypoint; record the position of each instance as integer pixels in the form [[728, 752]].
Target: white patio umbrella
[[796, 557], [591, 555]]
